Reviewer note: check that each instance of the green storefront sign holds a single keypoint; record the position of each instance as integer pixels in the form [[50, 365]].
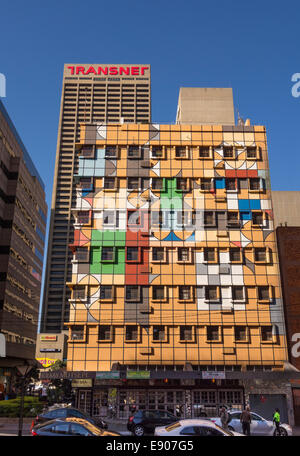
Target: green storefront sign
[[107, 374], [138, 374]]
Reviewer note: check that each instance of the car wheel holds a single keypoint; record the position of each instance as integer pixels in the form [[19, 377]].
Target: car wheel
[[230, 428], [282, 432], [138, 431]]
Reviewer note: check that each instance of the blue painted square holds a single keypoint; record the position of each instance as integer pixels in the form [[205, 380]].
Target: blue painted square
[[245, 215], [255, 205], [244, 204], [219, 183]]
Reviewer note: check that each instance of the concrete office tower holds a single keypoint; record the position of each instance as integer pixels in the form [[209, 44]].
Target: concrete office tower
[[175, 280], [201, 105], [23, 213], [91, 93]]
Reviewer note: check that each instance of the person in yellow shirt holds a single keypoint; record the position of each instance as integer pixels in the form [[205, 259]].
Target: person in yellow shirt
[[276, 420]]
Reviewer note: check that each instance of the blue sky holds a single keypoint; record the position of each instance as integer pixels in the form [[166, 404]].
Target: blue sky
[[252, 47]]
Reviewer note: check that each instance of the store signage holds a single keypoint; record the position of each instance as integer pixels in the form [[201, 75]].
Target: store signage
[[107, 374], [46, 362], [112, 70], [48, 338], [82, 383], [2, 346], [138, 374], [66, 374], [50, 350], [213, 374]]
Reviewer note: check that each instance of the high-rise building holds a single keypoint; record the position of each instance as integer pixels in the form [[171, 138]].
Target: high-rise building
[[175, 279], [90, 93], [23, 215]]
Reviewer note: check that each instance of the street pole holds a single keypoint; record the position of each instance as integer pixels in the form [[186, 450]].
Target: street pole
[[21, 407]]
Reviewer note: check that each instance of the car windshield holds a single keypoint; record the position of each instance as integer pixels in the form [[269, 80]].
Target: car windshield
[[223, 430], [173, 426], [94, 429]]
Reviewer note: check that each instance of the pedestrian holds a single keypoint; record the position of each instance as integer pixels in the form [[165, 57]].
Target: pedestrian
[[276, 421], [224, 417], [246, 420]]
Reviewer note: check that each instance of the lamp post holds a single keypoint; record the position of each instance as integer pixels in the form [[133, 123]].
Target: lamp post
[[24, 371]]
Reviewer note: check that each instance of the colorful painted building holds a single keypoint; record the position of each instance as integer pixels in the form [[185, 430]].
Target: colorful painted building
[[175, 277]]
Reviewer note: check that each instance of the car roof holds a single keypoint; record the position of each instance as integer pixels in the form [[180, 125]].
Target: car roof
[[196, 422], [64, 420]]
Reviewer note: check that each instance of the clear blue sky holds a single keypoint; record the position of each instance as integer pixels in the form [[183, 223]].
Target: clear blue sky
[[252, 47]]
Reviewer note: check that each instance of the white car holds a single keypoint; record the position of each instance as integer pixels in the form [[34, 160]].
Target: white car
[[193, 427], [258, 426]]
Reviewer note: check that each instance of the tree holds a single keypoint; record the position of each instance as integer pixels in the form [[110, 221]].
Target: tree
[[62, 387]]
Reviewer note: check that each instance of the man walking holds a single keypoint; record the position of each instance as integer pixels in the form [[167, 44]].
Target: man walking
[[224, 417], [276, 421], [246, 420]]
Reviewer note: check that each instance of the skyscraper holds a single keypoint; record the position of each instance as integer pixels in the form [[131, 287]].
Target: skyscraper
[[91, 93]]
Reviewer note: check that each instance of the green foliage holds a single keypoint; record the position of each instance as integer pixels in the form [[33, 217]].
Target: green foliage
[[11, 407]]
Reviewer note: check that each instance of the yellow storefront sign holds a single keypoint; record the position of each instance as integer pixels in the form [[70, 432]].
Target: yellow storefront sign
[[46, 362]]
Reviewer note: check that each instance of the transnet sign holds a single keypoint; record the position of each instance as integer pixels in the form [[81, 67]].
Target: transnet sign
[[109, 71]]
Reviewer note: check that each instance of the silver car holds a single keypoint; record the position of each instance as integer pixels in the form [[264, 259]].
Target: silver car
[[258, 426], [194, 427]]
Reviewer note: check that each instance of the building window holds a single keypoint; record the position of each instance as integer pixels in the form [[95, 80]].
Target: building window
[[82, 254], [212, 293], [79, 292], [133, 183], [108, 218], [88, 151], [183, 254], [132, 293], [209, 218], [132, 254], [86, 183], [182, 184], [257, 218], [106, 292], [210, 255], [186, 333], [238, 293], [83, 217], [107, 254], [158, 292], [267, 333], [263, 293], [77, 332], [184, 293], [228, 152], [254, 183], [235, 255], [240, 334], [111, 152], [204, 152], [156, 218], [157, 183], [105, 333], [260, 255], [157, 152], [213, 333], [158, 254], [133, 218], [231, 184], [134, 152], [252, 152], [131, 333], [109, 183], [181, 152], [205, 184], [233, 218], [159, 333]]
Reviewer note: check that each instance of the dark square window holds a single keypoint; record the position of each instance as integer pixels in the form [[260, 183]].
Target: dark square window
[[104, 332], [108, 217], [213, 333], [211, 293], [237, 293], [131, 332], [184, 293], [134, 152], [132, 253], [209, 254], [77, 332], [267, 333], [254, 183], [251, 152], [79, 292], [157, 152], [233, 218], [82, 254], [204, 152], [182, 184], [158, 254], [230, 184], [186, 333], [83, 217], [107, 254], [133, 183], [132, 293], [159, 333], [183, 254], [260, 254], [257, 218], [88, 151], [157, 184], [208, 218], [86, 182], [228, 152], [205, 184], [240, 333], [235, 254], [158, 292], [263, 293], [111, 152], [181, 152], [109, 183], [106, 292], [156, 218]]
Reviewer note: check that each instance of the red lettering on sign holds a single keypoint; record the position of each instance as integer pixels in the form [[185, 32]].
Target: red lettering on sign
[[72, 69], [124, 70], [103, 70], [91, 70], [143, 70], [79, 70], [135, 71], [113, 70]]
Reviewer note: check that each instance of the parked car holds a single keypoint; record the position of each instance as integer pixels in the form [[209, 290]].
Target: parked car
[[70, 427], [145, 421], [194, 427], [67, 412], [259, 425]]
